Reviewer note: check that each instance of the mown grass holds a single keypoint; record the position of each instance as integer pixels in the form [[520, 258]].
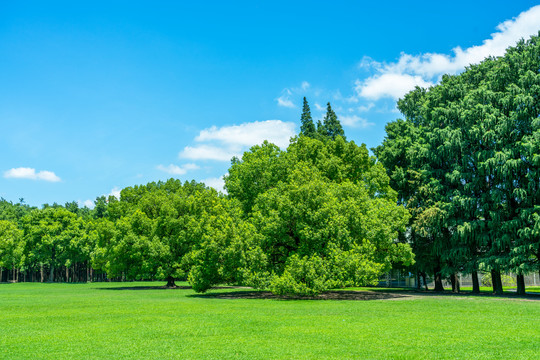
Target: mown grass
[[96, 321]]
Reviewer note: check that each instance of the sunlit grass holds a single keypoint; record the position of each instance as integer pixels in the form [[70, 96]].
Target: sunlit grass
[[91, 321]]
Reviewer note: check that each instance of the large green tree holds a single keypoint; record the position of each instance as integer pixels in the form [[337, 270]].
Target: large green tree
[[325, 214]]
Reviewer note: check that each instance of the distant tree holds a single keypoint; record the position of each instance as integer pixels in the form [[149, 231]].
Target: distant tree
[[307, 128], [11, 246], [331, 124]]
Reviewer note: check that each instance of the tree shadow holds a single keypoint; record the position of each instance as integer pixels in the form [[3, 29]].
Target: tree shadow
[[145, 288], [328, 295]]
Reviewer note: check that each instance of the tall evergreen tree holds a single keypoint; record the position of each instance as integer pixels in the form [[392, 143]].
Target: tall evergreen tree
[[332, 124], [307, 128], [322, 133]]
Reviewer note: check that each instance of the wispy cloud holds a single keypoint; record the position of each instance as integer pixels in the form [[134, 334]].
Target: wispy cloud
[[284, 100], [32, 174], [222, 143], [395, 79], [355, 121], [177, 170]]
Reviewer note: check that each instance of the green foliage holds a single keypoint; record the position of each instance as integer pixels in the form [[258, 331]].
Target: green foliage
[[464, 162], [307, 128], [331, 124], [317, 206], [11, 245], [154, 226]]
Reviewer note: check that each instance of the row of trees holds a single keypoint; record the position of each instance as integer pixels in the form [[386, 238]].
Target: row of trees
[[318, 215], [465, 162]]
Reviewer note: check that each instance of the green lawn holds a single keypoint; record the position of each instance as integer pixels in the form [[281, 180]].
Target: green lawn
[[91, 321]]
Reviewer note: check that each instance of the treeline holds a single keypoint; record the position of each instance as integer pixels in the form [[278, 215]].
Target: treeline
[[465, 162], [318, 215], [454, 188]]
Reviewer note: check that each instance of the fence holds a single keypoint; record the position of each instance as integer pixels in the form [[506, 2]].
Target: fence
[[398, 279]]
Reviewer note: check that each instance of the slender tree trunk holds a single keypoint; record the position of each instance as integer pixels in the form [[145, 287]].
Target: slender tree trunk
[[418, 285], [496, 282], [454, 279], [42, 274], [51, 273], [67, 274], [521, 284], [170, 282], [475, 283], [1, 275]]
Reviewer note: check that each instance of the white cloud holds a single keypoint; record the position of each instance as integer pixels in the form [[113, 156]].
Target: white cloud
[[88, 203], [222, 143], [284, 100], [365, 108], [207, 152], [355, 121], [177, 170], [115, 192], [319, 107], [30, 173], [248, 134], [396, 79], [389, 85], [305, 85], [216, 183]]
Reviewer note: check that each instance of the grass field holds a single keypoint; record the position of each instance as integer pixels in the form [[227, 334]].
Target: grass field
[[118, 320]]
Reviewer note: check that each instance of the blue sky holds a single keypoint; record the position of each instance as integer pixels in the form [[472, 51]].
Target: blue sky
[[99, 96]]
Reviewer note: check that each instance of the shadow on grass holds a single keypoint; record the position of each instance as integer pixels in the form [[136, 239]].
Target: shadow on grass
[[180, 287], [145, 288], [329, 295]]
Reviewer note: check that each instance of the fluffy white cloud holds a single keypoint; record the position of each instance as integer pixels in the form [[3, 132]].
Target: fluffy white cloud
[[32, 174], [389, 85], [222, 143], [355, 121], [177, 170], [305, 85], [396, 79], [248, 134]]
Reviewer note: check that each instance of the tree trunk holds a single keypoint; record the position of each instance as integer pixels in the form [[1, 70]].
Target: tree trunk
[[51, 273], [67, 274], [42, 274], [170, 282], [418, 285], [475, 283], [521, 284], [425, 281], [496, 282], [454, 279], [438, 279]]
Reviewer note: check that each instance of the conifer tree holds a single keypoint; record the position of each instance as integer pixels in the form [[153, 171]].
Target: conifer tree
[[322, 133], [332, 124], [307, 128]]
